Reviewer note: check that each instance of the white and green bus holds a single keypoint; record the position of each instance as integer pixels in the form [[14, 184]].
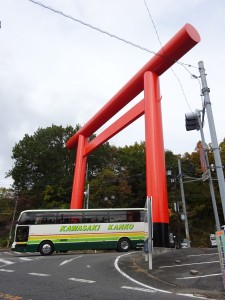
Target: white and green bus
[[46, 231]]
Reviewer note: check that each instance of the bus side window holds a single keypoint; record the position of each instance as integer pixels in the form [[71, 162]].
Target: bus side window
[[136, 216], [129, 216], [45, 218], [68, 218], [75, 220], [117, 216], [95, 217]]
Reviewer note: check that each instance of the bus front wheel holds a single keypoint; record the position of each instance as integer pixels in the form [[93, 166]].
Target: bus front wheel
[[124, 245], [46, 248]]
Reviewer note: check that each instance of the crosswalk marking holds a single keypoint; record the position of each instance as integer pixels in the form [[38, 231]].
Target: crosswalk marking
[[8, 253], [6, 262], [9, 271], [25, 258]]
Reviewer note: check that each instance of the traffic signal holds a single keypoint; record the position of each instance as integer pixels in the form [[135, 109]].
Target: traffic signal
[[191, 121]]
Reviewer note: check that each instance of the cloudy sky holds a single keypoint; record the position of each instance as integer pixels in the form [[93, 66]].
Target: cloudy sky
[[54, 70]]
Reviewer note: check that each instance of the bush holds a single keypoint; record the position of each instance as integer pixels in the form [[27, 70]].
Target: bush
[[3, 243]]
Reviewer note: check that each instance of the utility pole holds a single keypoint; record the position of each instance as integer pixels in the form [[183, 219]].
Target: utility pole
[[215, 146], [209, 173], [177, 213], [13, 219], [183, 203]]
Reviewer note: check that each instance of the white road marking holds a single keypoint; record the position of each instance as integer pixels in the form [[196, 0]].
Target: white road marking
[[69, 260], [200, 276], [147, 286], [132, 279], [19, 253], [4, 270], [8, 253], [25, 258], [39, 274], [81, 280], [5, 262], [200, 263], [137, 289], [191, 255], [192, 296]]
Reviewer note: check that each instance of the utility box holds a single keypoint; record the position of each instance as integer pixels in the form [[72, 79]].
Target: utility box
[[212, 239], [220, 240]]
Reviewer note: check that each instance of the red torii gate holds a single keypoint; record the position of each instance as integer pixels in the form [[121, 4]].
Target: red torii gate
[[146, 79]]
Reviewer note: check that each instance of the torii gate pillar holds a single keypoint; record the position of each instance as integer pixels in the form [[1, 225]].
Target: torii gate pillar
[[147, 79], [155, 159]]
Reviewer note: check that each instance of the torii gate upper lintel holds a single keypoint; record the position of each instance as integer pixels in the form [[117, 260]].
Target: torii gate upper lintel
[[147, 79]]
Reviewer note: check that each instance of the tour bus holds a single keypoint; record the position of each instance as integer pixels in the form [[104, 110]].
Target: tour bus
[[46, 231]]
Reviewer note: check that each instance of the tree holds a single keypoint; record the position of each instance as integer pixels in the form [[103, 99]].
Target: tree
[[131, 165], [7, 204], [109, 190], [43, 169]]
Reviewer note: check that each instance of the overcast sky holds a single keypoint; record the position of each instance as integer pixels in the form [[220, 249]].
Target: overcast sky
[[54, 70]]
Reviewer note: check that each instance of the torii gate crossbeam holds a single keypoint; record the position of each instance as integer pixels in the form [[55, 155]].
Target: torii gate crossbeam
[[146, 79]]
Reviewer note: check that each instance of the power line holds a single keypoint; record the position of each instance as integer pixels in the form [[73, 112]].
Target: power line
[[178, 79], [103, 31]]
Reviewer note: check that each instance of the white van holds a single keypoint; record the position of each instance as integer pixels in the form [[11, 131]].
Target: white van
[[212, 239]]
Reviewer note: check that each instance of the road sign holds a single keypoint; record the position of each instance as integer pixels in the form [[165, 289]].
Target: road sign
[[205, 175]]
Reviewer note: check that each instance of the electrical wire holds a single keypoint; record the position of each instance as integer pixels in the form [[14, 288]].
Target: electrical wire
[[183, 65], [104, 31]]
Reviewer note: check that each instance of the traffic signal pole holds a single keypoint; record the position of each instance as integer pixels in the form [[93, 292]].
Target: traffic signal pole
[[183, 203], [209, 173], [215, 147]]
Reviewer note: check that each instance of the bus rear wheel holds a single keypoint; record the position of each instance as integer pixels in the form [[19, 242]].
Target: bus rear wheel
[[124, 245], [46, 248]]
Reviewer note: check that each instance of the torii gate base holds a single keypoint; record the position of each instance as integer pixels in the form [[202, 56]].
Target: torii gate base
[[146, 79]]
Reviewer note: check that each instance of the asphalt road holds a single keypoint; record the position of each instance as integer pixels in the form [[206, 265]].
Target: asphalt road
[[193, 271], [75, 276]]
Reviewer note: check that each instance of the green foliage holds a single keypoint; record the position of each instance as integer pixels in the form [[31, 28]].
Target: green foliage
[[42, 163], [43, 175], [7, 204]]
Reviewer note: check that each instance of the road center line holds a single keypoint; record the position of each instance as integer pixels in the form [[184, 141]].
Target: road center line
[[199, 263], [39, 274], [81, 280], [137, 289]]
